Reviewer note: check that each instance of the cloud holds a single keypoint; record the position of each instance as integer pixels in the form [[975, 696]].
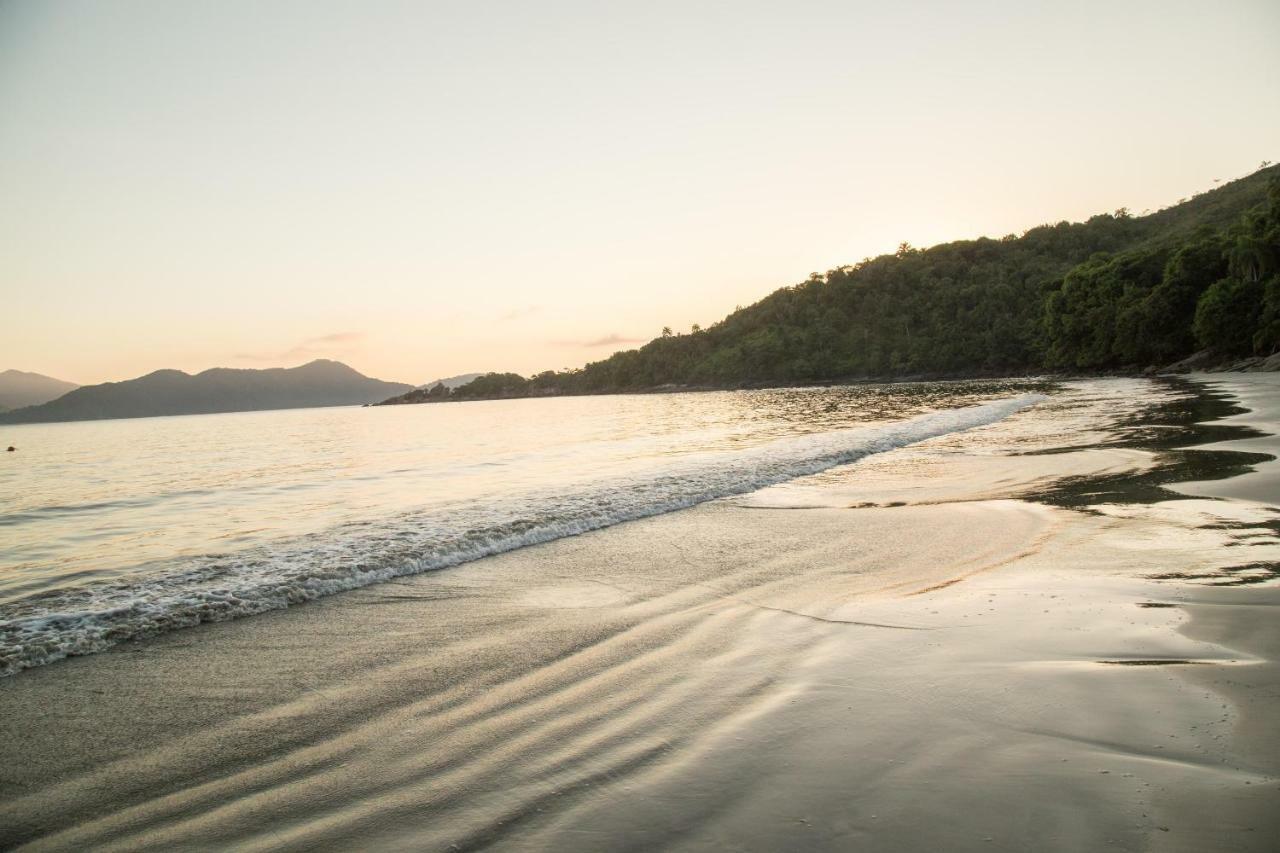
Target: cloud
[[520, 313], [612, 339], [321, 346], [334, 338]]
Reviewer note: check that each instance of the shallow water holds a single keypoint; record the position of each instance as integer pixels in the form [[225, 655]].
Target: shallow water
[[931, 648], [116, 529]]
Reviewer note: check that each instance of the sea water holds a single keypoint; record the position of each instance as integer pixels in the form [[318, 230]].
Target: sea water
[[117, 530]]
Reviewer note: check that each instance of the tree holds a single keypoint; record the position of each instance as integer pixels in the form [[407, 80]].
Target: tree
[[1251, 257], [1168, 313], [1227, 315], [1266, 340], [1115, 291]]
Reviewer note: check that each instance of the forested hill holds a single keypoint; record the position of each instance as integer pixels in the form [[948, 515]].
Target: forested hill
[[1117, 291]]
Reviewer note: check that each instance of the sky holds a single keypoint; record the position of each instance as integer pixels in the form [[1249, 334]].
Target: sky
[[428, 188]]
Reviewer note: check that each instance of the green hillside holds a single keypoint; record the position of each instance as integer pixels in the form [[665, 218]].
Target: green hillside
[[1118, 291]]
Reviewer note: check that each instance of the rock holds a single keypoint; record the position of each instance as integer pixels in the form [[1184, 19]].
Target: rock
[[1196, 361], [1272, 362], [1244, 365], [12, 448]]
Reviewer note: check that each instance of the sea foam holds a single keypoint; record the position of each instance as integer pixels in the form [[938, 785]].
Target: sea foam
[[93, 617]]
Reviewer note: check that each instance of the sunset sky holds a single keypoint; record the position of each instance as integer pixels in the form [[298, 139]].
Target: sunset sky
[[422, 189]]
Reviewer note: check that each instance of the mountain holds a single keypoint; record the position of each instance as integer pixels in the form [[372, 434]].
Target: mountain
[[172, 392], [1117, 292], [437, 389], [450, 382], [19, 388]]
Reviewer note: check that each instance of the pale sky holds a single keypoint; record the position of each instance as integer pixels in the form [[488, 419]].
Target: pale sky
[[422, 189]]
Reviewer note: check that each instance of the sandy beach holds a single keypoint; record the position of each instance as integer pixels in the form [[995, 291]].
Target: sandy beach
[[1054, 632], [571, 427]]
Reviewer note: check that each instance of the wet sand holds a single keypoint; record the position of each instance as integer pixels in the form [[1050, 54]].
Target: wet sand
[[979, 642], [1236, 613]]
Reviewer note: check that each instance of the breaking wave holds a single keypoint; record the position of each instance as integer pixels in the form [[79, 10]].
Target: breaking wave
[[60, 623]]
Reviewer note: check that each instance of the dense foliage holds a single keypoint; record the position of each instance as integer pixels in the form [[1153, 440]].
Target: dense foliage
[[1217, 289], [1117, 291]]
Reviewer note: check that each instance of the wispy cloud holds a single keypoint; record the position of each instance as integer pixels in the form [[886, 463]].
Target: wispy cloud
[[334, 338], [612, 339], [321, 346], [520, 313]]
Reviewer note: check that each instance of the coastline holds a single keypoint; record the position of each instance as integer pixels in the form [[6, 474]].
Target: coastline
[[1192, 364], [1241, 616], [799, 668]]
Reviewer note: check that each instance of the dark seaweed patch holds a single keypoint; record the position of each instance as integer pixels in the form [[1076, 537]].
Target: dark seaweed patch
[[1154, 662], [1242, 575]]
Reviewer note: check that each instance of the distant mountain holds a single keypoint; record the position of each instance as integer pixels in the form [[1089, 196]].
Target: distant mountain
[[172, 392], [451, 382], [19, 388]]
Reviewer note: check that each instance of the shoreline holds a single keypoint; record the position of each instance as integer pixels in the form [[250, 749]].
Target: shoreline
[[1029, 375], [1240, 616], [797, 668]]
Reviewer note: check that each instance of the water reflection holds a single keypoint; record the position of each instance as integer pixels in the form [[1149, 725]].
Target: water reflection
[[117, 529], [1173, 428]]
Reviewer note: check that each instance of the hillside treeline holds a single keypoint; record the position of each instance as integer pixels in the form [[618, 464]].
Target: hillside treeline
[[1116, 292]]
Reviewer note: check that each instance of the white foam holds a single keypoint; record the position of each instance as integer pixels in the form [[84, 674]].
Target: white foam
[[89, 619]]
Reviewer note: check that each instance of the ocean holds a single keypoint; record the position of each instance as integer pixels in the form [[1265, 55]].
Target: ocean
[[896, 616], [116, 530]]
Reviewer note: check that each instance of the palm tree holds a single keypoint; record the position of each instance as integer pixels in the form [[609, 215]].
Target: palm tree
[[1250, 257]]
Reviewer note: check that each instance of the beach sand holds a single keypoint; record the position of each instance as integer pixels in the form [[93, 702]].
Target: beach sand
[[1009, 639], [1234, 613]]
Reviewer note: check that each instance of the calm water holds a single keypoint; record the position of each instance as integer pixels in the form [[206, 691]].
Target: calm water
[[111, 530]]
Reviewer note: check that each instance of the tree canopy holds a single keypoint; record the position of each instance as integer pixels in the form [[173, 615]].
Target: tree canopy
[[1117, 291]]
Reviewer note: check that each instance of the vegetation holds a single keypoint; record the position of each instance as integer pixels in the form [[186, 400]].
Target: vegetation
[[1215, 288], [1115, 292]]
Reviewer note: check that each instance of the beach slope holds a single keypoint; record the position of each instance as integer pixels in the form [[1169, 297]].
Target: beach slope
[[1003, 639]]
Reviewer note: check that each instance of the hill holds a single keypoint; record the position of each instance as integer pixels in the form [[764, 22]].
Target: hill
[[173, 392], [1117, 292], [450, 382], [19, 388], [436, 390]]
